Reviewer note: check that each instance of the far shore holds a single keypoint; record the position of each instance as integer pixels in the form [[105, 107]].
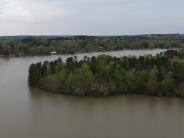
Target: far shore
[[14, 56]]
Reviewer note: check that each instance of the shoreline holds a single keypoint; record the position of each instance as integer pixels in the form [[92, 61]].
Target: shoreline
[[14, 56], [118, 94]]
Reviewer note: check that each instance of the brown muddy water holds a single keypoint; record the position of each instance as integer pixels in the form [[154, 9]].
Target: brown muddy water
[[28, 112]]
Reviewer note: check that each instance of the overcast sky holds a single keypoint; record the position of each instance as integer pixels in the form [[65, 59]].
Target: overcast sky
[[91, 17]]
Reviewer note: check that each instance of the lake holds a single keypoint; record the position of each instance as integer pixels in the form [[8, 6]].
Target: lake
[[28, 112]]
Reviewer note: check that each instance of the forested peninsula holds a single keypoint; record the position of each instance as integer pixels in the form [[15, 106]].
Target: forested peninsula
[[13, 46], [104, 75]]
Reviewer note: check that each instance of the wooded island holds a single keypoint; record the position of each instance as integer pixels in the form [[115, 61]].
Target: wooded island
[[160, 75]]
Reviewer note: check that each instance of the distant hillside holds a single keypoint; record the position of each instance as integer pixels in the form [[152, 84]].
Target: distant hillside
[[57, 36]]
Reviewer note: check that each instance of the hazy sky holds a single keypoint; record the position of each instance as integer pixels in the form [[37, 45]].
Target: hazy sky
[[91, 17]]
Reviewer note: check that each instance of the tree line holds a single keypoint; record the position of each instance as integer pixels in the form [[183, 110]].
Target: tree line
[[160, 75], [70, 45]]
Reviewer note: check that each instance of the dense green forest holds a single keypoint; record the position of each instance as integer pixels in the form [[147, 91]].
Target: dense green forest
[[82, 44], [161, 75]]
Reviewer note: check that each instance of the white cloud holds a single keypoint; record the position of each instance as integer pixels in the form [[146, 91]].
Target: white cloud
[[32, 11], [92, 17]]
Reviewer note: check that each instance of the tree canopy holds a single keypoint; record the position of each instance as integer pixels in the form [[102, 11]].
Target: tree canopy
[[161, 75], [70, 45]]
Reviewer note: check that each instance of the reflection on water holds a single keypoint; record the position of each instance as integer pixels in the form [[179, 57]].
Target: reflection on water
[[30, 112]]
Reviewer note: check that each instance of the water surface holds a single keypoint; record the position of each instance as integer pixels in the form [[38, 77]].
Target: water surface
[[28, 112]]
